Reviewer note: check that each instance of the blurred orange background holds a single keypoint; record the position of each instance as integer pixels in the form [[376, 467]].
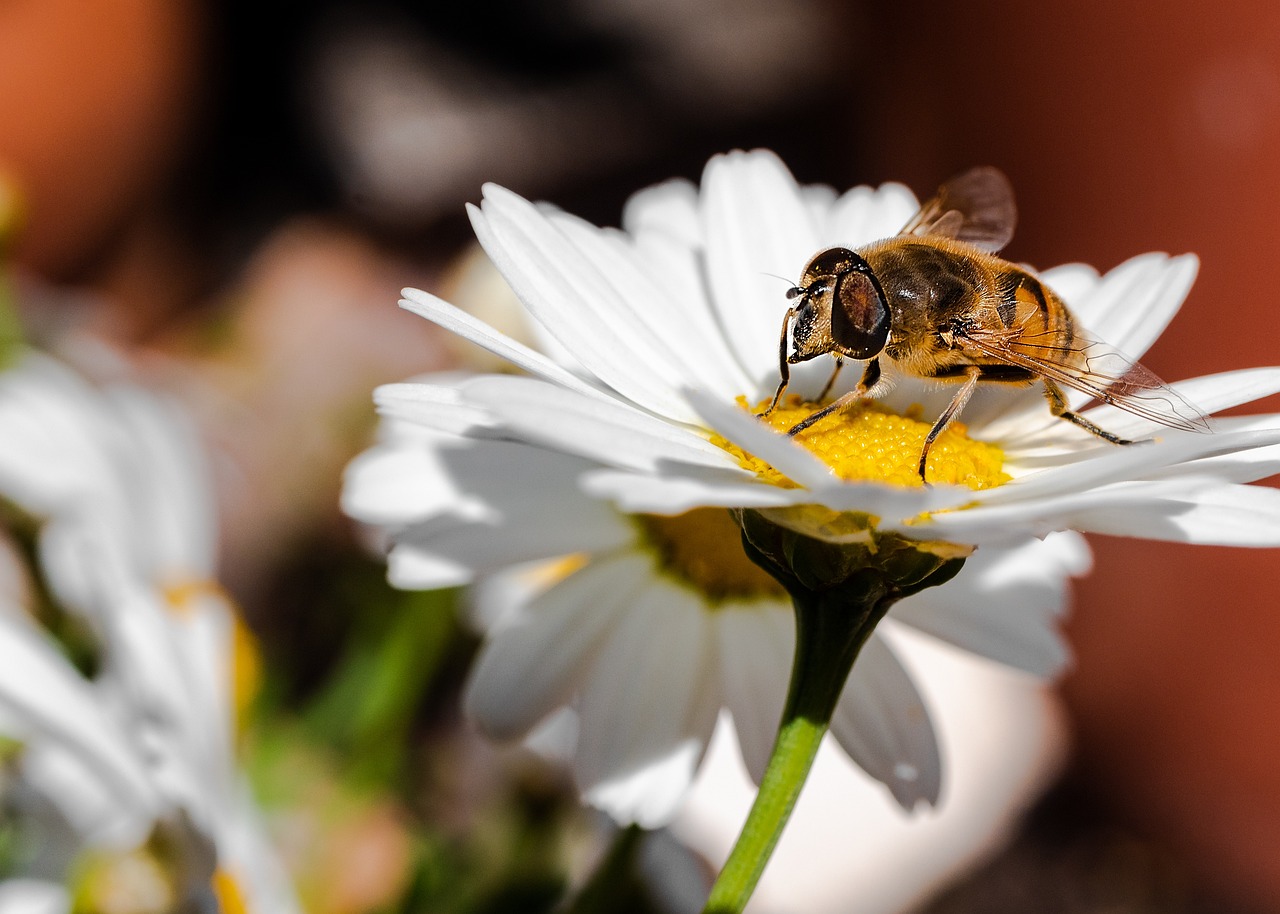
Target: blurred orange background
[[1127, 129]]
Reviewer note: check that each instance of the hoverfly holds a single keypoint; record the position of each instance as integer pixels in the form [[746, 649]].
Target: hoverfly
[[936, 302]]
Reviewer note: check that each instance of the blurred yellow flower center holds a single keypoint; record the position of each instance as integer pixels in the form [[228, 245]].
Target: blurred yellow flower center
[[702, 549], [869, 442], [229, 894]]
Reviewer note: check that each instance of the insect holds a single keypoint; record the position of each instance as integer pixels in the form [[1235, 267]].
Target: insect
[[935, 301]]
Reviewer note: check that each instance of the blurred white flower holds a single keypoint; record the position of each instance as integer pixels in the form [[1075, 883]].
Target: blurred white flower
[[123, 774], [612, 454]]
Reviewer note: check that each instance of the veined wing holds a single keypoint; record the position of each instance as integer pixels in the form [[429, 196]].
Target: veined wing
[[1094, 368], [975, 207]]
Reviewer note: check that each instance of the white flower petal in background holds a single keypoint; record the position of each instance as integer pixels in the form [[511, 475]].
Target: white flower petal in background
[[848, 845], [756, 642], [1004, 606], [742, 247], [643, 714], [882, 722], [117, 484], [532, 664], [33, 896]]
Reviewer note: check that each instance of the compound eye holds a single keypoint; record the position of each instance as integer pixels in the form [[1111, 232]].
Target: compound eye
[[831, 262], [794, 292], [859, 316]]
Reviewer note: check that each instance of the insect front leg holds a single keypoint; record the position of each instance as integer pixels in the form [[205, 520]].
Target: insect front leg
[[784, 370], [870, 377], [1058, 406]]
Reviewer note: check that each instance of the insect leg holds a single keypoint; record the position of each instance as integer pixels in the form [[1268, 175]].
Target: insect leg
[[784, 371], [972, 374], [1058, 406], [831, 380], [869, 378]]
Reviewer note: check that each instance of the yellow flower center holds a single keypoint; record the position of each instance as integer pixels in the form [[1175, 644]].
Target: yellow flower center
[[702, 549], [229, 894], [867, 441]]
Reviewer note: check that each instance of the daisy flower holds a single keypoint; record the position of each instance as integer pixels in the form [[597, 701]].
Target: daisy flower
[[623, 445], [122, 776], [647, 625]]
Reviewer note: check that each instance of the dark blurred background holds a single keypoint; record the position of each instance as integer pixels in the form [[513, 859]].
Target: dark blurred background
[[233, 193]]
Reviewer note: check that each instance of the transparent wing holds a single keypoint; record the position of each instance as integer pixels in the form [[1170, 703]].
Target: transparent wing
[[975, 207], [1094, 368]]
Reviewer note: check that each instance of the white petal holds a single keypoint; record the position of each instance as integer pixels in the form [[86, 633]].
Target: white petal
[[532, 665], [669, 209], [611, 432], [755, 643], [755, 223], [455, 320], [648, 707], [1133, 303], [560, 286], [638, 493], [1150, 509], [33, 896], [865, 214], [39, 688], [1225, 515], [1004, 604], [245, 849], [515, 512], [1121, 463], [51, 429], [1246, 465], [409, 568], [68, 804], [1074, 282], [438, 483], [759, 439], [882, 722], [679, 270], [666, 326], [152, 675], [170, 488], [436, 407], [818, 200], [397, 483]]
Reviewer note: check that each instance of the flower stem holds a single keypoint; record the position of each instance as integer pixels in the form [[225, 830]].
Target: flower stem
[[828, 639], [840, 588], [10, 220]]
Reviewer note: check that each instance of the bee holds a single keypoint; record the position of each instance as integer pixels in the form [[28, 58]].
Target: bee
[[935, 302]]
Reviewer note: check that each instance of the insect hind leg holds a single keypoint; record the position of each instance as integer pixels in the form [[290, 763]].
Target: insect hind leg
[[1058, 406]]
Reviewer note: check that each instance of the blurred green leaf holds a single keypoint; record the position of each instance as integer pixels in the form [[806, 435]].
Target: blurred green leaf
[[368, 705]]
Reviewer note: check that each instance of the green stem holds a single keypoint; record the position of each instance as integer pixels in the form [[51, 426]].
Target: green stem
[[829, 635], [10, 326]]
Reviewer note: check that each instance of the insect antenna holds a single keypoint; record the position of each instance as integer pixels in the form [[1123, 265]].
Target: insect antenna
[[793, 292]]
